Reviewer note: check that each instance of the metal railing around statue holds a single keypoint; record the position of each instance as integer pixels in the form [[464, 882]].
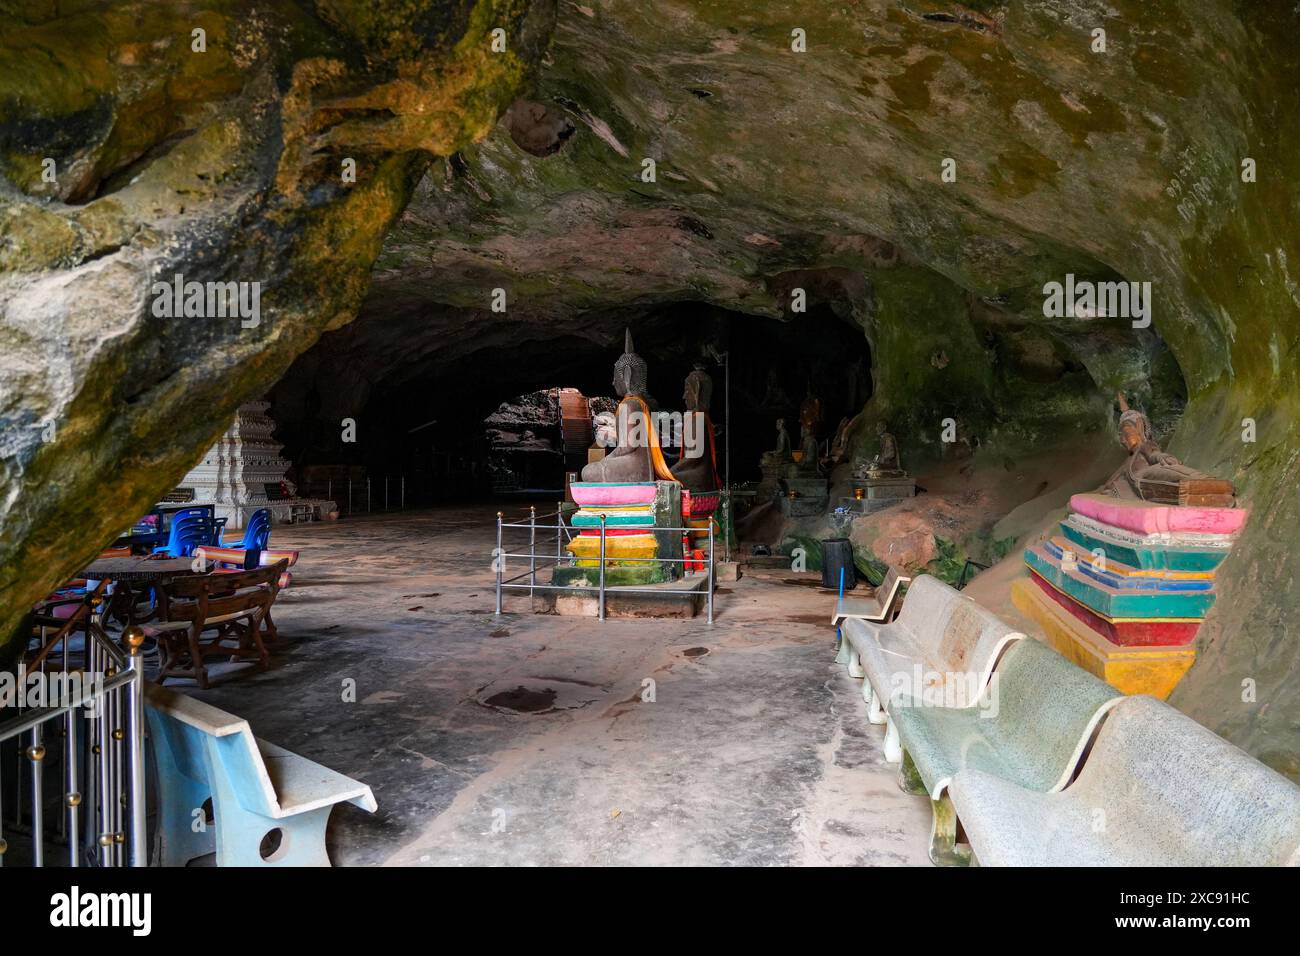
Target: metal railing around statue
[[536, 560], [92, 729]]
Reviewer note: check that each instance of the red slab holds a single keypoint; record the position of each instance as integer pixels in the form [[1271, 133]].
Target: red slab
[[1125, 633]]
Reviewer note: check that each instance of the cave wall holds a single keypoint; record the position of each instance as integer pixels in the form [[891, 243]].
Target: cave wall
[[1126, 164]]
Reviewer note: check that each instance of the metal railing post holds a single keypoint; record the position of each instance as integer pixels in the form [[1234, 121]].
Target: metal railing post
[[36, 754], [72, 798], [137, 854], [349, 495], [532, 549], [559, 527], [498, 559], [601, 606], [403, 508], [367, 494], [711, 542], [104, 788]]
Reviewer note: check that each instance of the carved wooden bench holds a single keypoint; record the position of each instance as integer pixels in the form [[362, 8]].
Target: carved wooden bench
[[233, 607], [941, 648], [1157, 789], [256, 789], [1030, 726], [879, 607]]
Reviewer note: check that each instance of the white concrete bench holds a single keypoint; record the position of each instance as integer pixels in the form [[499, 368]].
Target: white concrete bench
[[1030, 726], [257, 789], [940, 650], [879, 607], [1158, 789]]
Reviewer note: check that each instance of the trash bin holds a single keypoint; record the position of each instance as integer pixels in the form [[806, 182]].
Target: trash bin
[[837, 555]]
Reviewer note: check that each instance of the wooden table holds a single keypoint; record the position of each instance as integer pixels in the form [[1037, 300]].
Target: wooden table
[[134, 575]]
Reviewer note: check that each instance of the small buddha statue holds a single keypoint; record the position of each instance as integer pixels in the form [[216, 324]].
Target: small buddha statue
[[780, 455], [809, 450], [636, 455], [887, 463], [697, 468], [1146, 462], [810, 411]]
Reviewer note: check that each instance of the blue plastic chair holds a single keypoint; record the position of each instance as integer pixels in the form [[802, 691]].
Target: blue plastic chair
[[190, 532], [257, 533]]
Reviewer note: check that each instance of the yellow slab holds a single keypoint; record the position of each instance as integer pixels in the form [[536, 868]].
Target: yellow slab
[[1130, 670], [587, 548]]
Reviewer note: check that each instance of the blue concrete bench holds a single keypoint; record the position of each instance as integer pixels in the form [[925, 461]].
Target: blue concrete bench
[[941, 649], [1030, 726], [1157, 789], [256, 789]]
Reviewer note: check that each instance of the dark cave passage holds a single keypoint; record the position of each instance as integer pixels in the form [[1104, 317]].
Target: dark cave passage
[[422, 416]]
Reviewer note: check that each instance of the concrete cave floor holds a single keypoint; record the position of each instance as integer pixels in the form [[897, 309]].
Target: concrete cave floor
[[755, 751]]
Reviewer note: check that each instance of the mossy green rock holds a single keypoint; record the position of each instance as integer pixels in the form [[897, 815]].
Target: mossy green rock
[[574, 577]]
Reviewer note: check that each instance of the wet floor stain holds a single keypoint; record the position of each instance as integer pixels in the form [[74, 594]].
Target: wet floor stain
[[500, 632], [523, 700], [695, 652]]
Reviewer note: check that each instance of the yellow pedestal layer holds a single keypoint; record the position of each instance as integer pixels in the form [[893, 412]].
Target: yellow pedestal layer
[[586, 548], [1130, 670]]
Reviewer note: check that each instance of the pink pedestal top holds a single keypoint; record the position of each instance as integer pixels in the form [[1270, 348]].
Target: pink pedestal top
[[1144, 517]]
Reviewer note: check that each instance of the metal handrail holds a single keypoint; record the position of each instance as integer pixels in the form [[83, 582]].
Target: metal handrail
[[103, 770], [503, 583]]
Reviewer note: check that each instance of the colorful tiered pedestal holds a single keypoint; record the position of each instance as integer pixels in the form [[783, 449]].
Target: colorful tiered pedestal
[[1123, 590], [1153, 670], [636, 514]]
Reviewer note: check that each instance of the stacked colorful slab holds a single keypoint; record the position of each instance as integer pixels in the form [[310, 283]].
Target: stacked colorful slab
[[635, 514], [629, 522], [1123, 589]]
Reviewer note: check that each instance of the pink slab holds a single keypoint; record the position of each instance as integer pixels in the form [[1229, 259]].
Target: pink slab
[[1147, 518], [588, 494]]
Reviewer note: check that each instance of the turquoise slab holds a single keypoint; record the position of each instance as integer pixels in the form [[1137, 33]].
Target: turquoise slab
[[1116, 603], [1146, 557], [641, 520], [1133, 582]]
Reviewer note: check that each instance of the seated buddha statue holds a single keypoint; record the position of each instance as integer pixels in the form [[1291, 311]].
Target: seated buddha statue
[[888, 462], [637, 455], [809, 450], [780, 455], [697, 469], [1146, 462]]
